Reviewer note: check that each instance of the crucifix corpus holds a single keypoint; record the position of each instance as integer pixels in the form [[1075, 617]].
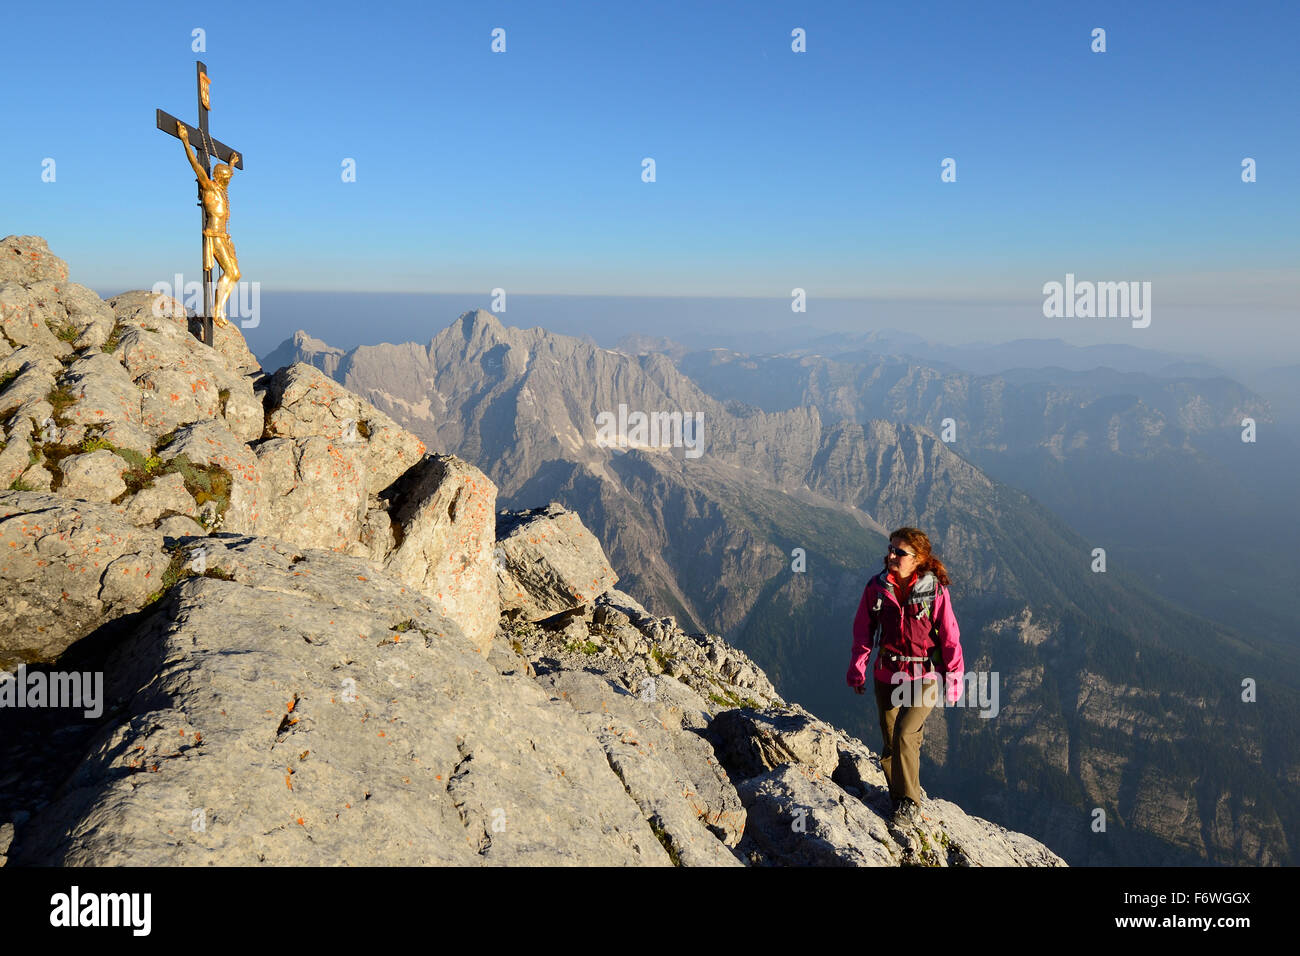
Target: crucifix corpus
[[215, 203]]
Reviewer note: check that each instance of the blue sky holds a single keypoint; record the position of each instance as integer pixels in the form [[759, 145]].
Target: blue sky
[[774, 169]]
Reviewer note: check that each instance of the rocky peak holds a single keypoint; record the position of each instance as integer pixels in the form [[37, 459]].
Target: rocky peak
[[301, 347], [480, 326]]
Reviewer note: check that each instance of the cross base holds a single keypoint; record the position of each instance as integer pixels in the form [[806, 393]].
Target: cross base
[[201, 328]]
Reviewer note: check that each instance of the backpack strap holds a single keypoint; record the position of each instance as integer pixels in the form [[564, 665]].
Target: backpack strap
[[935, 653], [875, 612]]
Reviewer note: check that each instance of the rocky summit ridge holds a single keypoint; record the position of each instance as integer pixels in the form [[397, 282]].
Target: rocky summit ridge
[[321, 643]]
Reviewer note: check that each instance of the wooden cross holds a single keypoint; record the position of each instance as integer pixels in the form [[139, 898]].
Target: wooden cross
[[205, 147]]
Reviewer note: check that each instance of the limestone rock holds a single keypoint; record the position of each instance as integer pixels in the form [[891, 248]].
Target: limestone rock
[[799, 818], [444, 510], [152, 310], [94, 476], [37, 478], [102, 391], [184, 381], [750, 743], [302, 402], [27, 259], [211, 443], [317, 491], [179, 526], [670, 772], [74, 310], [548, 562], [971, 841], [66, 568], [167, 495], [25, 319]]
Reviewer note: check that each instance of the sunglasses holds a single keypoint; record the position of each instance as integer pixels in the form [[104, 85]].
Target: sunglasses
[[901, 553]]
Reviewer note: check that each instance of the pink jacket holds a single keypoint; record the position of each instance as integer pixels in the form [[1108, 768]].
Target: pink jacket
[[905, 630]]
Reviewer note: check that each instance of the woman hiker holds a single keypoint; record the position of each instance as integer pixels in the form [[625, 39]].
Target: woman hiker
[[900, 608]]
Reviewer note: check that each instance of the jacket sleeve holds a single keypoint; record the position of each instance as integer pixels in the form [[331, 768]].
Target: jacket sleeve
[[949, 643], [863, 625]]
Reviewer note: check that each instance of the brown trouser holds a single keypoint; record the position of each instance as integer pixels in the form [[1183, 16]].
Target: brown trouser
[[900, 729]]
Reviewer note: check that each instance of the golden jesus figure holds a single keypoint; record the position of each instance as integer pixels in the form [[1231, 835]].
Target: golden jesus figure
[[216, 216]]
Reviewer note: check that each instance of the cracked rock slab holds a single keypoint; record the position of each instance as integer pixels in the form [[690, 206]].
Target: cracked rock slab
[[670, 772], [797, 817], [311, 712]]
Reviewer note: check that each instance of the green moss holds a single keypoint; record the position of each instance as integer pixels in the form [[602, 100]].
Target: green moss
[[6, 378], [61, 398], [67, 333], [114, 338], [731, 699], [177, 569], [19, 485], [659, 657], [665, 841], [52, 456], [204, 482], [144, 468], [89, 444], [406, 627]]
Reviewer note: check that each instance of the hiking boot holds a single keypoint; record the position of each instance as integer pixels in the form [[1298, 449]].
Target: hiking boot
[[907, 813]]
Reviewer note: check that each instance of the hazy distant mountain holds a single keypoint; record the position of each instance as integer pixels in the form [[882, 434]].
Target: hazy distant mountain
[[643, 344], [990, 358], [1111, 696], [303, 348], [1281, 386]]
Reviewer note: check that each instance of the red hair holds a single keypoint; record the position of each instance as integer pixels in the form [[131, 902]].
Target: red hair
[[919, 544]]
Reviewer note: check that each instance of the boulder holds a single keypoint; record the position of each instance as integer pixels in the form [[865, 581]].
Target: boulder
[[67, 568], [25, 319], [211, 443], [302, 402], [797, 817], [27, 259], [94, 476], [750, 743], [165, 496], [547, 562], [317, 491], [158, 312], [443, 512]]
